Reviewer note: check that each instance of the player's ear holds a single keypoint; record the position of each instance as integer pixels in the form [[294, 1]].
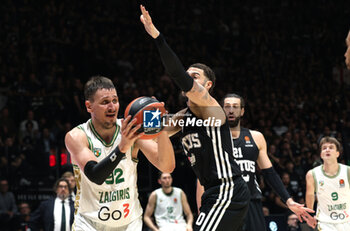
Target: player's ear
[[242, 111], [208, 85], [159, 181], [88, 106]]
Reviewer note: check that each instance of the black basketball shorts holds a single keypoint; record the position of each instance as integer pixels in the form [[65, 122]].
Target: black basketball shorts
[[224, 207]]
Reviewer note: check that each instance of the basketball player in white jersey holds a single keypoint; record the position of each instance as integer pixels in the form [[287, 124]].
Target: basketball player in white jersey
[[330, 181], [168, 204], [104, 156]]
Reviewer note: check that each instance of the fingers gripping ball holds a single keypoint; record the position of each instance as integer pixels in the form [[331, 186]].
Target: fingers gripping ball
[[148, 112]]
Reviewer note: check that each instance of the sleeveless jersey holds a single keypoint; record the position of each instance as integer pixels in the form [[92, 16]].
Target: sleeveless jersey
[[209, 149], [115, 202], [333, 195], [169, 208], [246, 153]]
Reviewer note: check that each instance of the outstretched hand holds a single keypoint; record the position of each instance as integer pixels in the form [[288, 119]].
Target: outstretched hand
[[302, 212], [147, 22]]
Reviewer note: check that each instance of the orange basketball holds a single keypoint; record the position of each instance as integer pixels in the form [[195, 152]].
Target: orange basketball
[[148, 112]]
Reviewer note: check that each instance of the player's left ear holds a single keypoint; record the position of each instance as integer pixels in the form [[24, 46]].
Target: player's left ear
[[88, 106], [208, 85], [242, 111]]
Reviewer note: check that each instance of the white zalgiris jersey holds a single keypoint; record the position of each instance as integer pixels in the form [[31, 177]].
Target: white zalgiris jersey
[[169, 208], [333, 195], [114, 203]]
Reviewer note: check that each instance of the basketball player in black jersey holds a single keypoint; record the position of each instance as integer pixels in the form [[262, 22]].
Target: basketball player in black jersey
[[206, 140], [249, 150]]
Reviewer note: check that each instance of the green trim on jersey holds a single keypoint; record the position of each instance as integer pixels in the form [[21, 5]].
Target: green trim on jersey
[[324, 173], [88, 138], [100, 138], [315, 179]]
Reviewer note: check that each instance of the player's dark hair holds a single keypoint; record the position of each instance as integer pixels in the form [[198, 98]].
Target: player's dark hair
[[160, 174], [233, 95], [208, 72], [332, 140], [96, 83]]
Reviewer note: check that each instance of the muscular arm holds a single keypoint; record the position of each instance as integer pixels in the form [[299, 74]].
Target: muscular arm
[[269, 173], [310, 190], [149, 211], [187, 211], [275, 181], [194, 91], [160, 153], [310, 197]]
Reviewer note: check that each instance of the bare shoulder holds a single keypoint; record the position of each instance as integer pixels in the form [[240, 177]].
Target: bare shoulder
[[258, 137], [153, 196], [75, 134], [256, 134], [309, 175], [75, 139]]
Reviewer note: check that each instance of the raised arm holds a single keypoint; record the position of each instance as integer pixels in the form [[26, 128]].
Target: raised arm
[[194, 91]]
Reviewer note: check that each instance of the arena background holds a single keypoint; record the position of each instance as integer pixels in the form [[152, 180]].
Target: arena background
[[284, 57]]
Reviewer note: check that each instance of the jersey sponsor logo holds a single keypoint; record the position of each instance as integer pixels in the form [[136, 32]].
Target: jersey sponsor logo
[[170, 209], [248, 143], [246, 165], [117, 195], [341, 183], [337, 207], [175, 200], [321, 182], [105, 213], [338, 216], [97, 152]]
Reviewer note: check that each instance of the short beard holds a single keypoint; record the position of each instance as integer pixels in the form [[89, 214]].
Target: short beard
[[234, 123], [108, 125]]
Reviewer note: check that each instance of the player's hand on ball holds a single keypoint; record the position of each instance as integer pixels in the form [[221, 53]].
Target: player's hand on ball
[[129, 133]]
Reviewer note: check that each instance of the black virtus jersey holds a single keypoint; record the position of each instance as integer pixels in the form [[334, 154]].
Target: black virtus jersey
[[246, 153], [209, 149]]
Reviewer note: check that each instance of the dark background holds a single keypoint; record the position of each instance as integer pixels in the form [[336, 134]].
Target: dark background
[[284, 57]]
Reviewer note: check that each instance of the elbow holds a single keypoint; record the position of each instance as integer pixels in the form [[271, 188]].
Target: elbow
[[169, 168]]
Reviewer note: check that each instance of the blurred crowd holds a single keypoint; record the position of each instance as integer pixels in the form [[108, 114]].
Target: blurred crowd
[[284, 57]]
